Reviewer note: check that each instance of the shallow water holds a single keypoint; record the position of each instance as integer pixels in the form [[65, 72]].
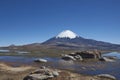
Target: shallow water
[[90, 67], [4, 51], [114, 54]]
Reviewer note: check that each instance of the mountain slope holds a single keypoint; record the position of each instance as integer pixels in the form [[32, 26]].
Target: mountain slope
[[71, 40], [67, 40]]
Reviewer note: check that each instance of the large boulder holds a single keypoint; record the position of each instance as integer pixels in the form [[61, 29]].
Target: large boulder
[[89, 54]]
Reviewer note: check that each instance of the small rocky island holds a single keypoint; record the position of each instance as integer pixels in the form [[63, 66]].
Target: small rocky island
[[86, 55]]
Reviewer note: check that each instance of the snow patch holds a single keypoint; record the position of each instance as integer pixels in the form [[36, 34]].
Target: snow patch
[[67, 34]]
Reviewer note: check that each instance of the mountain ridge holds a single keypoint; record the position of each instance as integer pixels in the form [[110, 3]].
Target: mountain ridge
[[79, 42], [65, 41]]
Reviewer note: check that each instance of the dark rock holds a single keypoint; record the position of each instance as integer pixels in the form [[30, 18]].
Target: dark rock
[[89, 54], [78, 57], [86, 55]]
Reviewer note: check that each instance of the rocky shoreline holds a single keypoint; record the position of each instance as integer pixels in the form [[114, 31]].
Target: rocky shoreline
[[8, 72]]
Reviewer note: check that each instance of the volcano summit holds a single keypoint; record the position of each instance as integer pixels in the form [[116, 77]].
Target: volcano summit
[[69, 39], [67, 34]]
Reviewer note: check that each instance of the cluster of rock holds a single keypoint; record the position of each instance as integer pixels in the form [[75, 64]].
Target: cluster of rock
[[42, 74], [82, 55], [45, 73]]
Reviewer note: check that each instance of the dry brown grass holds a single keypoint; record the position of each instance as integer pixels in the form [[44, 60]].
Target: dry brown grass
[[18, 73], [65, 75], [14, 73], [14, 69]]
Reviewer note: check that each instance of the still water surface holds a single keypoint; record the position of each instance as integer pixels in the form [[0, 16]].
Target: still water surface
[[90, 68]]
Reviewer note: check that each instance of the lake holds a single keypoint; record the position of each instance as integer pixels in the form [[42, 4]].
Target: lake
[[89, 68]]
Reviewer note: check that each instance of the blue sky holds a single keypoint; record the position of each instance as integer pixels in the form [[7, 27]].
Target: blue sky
[[31, 21]]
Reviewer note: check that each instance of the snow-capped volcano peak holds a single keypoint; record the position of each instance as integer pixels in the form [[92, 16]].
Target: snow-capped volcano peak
[[67, 34]]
